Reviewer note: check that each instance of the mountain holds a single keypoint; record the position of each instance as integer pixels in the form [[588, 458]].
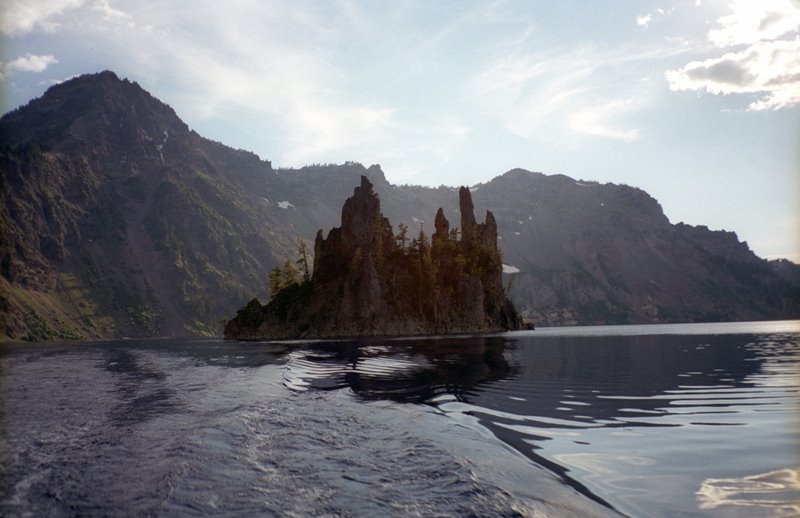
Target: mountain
[[591, 253], [368, 282], [118, 220]]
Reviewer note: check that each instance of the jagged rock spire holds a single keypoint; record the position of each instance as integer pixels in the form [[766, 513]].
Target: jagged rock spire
[[489, 231], [467, 209], [359, 214], [442, 227]]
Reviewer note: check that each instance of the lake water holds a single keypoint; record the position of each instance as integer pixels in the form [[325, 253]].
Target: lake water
[[674, 420]]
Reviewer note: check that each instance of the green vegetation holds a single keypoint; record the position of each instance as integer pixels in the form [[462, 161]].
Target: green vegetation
[[279, 279], [40, 331], [302, 261]]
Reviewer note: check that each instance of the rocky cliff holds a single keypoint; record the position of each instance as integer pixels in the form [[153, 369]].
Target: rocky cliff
[[591, 253], [116, 219], [369, 282]]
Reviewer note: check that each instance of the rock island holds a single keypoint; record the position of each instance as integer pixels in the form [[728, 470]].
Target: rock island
[[367, 281]]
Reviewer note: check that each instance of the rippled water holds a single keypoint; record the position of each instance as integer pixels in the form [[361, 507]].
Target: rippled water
[[635, 420]]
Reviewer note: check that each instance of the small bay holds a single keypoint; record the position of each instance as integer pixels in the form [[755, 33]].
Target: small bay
[[667, 420]]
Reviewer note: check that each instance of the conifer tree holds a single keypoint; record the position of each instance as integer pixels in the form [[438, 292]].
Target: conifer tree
[[302, 261], [275, 281], [422, 239], [288, 274], [402, 236]]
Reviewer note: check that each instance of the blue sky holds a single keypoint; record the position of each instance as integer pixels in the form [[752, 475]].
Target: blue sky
[[694, 101]]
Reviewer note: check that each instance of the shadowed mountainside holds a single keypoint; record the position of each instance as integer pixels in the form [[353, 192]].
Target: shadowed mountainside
[[118, 220]]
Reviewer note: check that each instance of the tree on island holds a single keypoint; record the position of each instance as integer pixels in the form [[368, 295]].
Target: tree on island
[[281, 278], [302, 261], [402, 236]]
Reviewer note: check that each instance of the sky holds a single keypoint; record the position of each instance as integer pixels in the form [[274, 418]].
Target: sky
[[695, 101]]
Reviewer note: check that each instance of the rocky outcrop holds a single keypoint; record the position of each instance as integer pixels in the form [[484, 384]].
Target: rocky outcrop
[[367, 281], [116, 219]]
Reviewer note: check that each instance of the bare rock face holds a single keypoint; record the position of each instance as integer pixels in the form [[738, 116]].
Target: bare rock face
[[117, 220], [368, 282]]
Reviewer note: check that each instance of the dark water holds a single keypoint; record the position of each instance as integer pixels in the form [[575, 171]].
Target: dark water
[[696, 420]]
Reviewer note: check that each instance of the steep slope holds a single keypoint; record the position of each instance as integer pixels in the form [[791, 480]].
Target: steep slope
[[118, 220], [592, 253]]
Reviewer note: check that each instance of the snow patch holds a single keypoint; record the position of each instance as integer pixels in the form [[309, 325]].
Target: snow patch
[[530, 218], [417, 220], [517, 233], [520, 222], [285, 205], [507, 268]]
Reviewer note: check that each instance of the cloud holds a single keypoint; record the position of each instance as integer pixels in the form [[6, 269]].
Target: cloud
[[750, 22], [111, 14], [275, 65], [644, 20], [597, 120], [767, 65], [27, 63], [23, 16], [280, 74], [566, 95], [770, 68], [325, 129]]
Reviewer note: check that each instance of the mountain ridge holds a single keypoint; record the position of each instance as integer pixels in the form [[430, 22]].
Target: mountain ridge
[[119, 220]]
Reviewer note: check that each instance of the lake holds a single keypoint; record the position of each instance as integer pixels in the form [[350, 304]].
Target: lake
[[666, 420]]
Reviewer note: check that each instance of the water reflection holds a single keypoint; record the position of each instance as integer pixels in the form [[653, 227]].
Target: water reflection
[[606, 379], [586, 379], [409, 371], [772, 492], [638, 423]]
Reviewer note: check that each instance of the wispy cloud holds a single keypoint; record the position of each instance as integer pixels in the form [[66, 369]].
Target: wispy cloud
[[600, 120], [277, 64], [763, 56], [112, 14], [323, 130], [565, 95], [22, 16]]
